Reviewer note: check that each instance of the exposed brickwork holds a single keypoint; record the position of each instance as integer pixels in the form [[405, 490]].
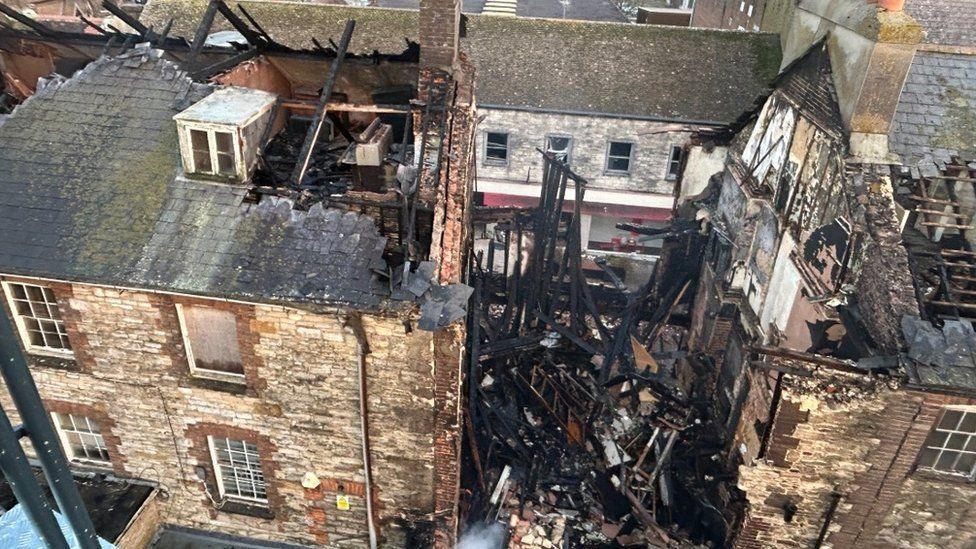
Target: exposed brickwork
[[301, 406], [864, 451], [439, 33]]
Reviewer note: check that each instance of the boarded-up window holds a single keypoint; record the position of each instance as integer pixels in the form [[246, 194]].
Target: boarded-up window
[[210, 336]]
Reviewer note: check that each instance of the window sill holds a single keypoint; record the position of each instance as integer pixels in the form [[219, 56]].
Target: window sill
[[614, 173], [52, 353], [495, 163], [247, 508], [62, 362], [237, 386], [86, 465], [930, 474]]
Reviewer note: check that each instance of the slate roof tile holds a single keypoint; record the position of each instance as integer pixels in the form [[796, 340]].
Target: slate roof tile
[[670, 73], [90, 192], [936, 114]]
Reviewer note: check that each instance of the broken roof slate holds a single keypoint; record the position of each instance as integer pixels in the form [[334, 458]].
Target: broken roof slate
[[642, 71], [90, 191], [936, 114]]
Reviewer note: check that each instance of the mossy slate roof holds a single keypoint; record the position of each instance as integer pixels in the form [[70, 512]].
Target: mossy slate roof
[[936, 115], [646, 71], [90, 191]]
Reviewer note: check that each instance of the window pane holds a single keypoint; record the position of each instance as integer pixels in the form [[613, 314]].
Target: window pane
[[83, 437], [200, 144], [558, 144], [971, 445], [618, 164], [620, 149], [950, 420], [937, 439], [225, 142], [945, 461], [39, 315], [212, 334], [239, 467], [928, 457], [225, 164], [968, 424], [498, 139], [199, 140], [496, 147], [966, 464], [956, 441]]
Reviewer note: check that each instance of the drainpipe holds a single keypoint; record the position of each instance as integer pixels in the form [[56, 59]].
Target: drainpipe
[[354, 326]]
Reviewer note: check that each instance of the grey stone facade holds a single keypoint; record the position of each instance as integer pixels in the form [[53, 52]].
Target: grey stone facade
[[591, 135]]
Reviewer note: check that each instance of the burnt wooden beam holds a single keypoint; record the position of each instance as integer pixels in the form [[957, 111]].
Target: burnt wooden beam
[[305, 156], [200, 36], [264, 34], [226, 64], [37, 27], [252, 37], [115, 10]]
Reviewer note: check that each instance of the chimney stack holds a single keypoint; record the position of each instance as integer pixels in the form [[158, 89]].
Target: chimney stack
[[440, 25]]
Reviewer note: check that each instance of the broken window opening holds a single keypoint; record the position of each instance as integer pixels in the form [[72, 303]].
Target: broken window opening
[[38, 318], [951, 447], [560, 146], [210, 338], [674, 162], [619, 155], [496, 148], [81, 438]]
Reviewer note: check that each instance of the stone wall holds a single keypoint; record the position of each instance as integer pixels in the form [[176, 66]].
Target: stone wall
[[857, 447], [591, 135], [300, 407]]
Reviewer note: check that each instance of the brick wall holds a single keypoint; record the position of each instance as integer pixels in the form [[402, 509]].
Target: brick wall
[[300, 407], [591, 136], [861, 450]]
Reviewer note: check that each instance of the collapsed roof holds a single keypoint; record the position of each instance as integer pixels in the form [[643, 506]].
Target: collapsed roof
[[91, 191], [643, 71]]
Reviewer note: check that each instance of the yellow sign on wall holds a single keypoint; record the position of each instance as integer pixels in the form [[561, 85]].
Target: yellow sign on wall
[[342, 502]]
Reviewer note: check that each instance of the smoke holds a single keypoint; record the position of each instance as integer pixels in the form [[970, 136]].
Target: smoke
[[484, 536]]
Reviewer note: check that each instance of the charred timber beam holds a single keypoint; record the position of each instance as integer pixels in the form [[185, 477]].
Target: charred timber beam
[[305, 156], [225, 65], [264, 34], [203, 30], [37, 27], [115, 10], [252, 37], [832, 363]]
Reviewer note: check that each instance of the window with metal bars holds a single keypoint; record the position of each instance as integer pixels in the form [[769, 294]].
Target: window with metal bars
[[951, 446], [38, 318], [82, 438], [237, 467]]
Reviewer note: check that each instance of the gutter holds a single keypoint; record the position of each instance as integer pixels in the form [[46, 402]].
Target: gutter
[[354, 325], [603, 114]]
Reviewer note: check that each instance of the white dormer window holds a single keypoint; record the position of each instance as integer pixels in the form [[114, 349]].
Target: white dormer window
[[219, 135]]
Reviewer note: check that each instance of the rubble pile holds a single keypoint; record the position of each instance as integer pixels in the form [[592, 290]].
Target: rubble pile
[[575, 417]]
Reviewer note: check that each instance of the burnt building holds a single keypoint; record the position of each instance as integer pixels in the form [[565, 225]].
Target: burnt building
[[830, 324], [236, 267]]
